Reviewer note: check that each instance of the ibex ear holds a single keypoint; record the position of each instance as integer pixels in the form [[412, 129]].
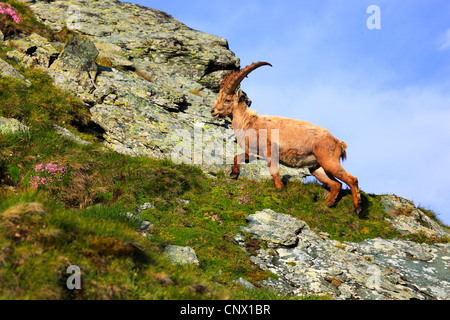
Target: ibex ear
[[239, 94], [242, 97]]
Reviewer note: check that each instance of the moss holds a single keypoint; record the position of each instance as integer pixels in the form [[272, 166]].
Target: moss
[[104, 62], [421, 237]]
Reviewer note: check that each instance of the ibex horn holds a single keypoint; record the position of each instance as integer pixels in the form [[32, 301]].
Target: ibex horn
[[232, 81]]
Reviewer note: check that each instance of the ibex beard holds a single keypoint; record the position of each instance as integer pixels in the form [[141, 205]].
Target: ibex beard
[[299, 144]]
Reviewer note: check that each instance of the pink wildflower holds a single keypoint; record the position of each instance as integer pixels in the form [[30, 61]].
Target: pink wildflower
[[48, 173], [38, 167], [8, 10]]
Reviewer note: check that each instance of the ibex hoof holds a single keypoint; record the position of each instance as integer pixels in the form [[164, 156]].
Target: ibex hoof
[[279, 187], [234, 175]]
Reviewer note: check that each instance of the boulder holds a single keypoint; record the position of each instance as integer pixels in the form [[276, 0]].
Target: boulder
[[66, 133], [408, 219], [78, 54], [10, 125], [77, 63], [32, 50], [7, 70], [181, 255], [21, 58], [274, 227], [374, 269], [245, 284], [144, 206]]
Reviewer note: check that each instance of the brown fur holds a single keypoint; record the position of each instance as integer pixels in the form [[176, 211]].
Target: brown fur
[[301, 145]]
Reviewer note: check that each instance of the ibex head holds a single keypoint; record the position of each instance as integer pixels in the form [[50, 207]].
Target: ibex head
[[229, 95]]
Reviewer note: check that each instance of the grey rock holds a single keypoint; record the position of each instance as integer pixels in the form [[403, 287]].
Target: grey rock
[[374, 269], [145, 226], [183, 202], [240, 239], [10, 125], [79, 53], [21, 58], [407, 218], [144, 206], [245, 283], [420, 265], [181, 255], [277, 228], [77, 63], [34, 50], [131, 215], [66, 133], [6, 70]]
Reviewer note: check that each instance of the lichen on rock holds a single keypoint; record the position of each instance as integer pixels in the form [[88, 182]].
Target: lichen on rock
[[408, 219], [7, 70], [11, 125], [181, 255], [375, 269]]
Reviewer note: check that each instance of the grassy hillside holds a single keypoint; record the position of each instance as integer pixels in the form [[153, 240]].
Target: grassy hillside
[[76, 215]]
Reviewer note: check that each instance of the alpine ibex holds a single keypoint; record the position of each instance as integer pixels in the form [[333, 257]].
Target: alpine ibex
[[300, 144]]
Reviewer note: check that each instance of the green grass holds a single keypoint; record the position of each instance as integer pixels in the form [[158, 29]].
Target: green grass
[[41, 104], [39, 240], [80, 220]]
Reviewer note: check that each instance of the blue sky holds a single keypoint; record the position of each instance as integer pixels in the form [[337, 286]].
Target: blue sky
[[385, 92]]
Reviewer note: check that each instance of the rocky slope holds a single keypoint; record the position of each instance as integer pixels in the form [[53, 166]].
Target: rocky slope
[[147, 77], [375, 269]]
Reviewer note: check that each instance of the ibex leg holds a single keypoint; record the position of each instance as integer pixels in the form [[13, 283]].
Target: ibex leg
[[335, 186]]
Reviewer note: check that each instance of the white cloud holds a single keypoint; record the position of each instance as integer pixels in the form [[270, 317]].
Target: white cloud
[[445, 41]]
